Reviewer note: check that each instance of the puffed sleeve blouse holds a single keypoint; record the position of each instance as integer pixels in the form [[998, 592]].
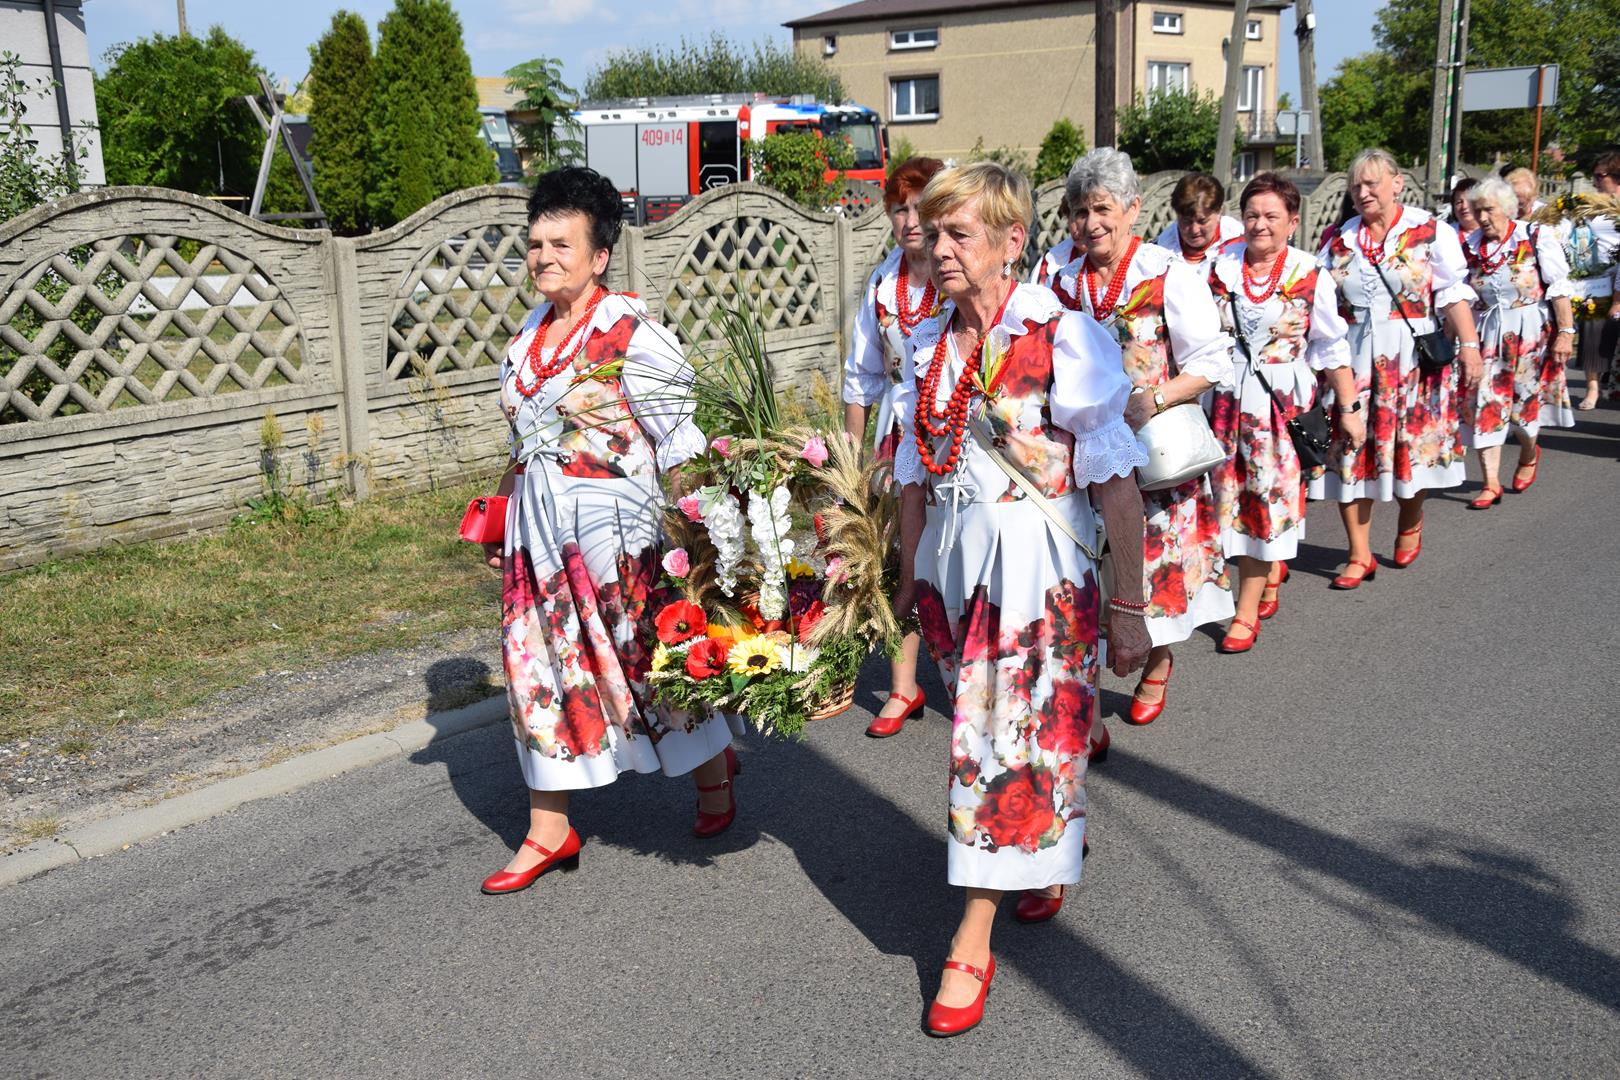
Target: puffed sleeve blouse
[[866, 376]]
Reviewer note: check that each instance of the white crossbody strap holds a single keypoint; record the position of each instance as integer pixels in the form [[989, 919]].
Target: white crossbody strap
[[1029, 489]]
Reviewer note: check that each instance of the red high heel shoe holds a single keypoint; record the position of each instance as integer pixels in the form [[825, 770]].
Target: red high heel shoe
[[709, 825], [1283, 575], [1406, 558], [1230, 644], [565, 858], [1534, 467], [1345, 581], [947, 1020], [1097, 749], [1034, 907], [1488, 497], [882, 727], [1268, 608], [1143, 713]]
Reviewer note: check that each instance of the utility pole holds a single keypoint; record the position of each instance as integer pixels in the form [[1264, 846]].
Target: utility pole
[[1305, 34], [181, 4], [1440, 102], [1107, 93], [1454, 154], [1234, 88]]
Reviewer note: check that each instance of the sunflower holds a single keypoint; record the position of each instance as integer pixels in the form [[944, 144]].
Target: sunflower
[[660, 657], [755, 656]]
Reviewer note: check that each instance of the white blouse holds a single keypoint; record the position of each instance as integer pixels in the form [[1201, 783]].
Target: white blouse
[[1448, 269], [1086, 398], [867, 375], [1550, 264], [655, 384], [1058, 256], [1228, 230], [1326, 346]]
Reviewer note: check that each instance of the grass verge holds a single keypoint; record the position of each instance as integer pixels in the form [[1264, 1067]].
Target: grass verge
[[129, 634]]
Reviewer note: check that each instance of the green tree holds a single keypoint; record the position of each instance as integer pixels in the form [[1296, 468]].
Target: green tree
[[1062, 145], [426, 135], [796, 164], [552, 137], [1362, 106], [715, 66], [1016, 160], [170, 114], [28, 178], [340, 120], [900, 152], [1173, 129]]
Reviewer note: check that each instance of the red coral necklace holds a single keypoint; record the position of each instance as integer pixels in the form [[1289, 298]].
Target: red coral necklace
[[955, 412], [1373, 252], [1102, 309], [564, 356], [1271, 280], [907, 318], [1490, 264]]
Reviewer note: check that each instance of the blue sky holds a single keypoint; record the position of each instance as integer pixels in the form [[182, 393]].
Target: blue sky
[[501, 33]]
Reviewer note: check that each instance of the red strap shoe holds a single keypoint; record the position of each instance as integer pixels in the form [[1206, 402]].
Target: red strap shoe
[[1345, 581], [882, 727], [1534, 467], [1035, 907], [1230, 644], [1488, 497], [1142, 712], [565, 858], [709, 825], [947, 1020], [1409, 556]]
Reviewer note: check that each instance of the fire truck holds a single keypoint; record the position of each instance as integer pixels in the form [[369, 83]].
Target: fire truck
[[662, 152]]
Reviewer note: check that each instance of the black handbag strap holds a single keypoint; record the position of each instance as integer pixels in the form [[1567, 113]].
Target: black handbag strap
[[1395, 301], [1243, 344]]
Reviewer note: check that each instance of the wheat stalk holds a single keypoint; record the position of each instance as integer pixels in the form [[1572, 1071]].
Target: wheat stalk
[[861, 527]]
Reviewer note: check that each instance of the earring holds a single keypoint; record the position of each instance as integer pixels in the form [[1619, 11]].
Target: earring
[[1006, 268]]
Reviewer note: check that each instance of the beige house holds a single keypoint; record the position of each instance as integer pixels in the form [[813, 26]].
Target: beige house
[[947, 75]]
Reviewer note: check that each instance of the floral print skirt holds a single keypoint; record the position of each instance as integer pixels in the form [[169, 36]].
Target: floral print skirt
[[1259, 491], [1186, 585], [1412, 419], [1009, 612], [1523, 385], [577, 598]]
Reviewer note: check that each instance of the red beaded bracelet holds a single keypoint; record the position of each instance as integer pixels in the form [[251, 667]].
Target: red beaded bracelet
[[1125, 607]]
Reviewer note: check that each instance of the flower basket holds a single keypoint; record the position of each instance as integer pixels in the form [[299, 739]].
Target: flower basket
[[837, 705]]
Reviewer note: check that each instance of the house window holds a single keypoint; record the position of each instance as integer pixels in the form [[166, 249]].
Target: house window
[[1243, 166], [1168, 78], [924, 38], [1167, 22], [915, 98], [829, 44], [1254, 88], [1251, 30]]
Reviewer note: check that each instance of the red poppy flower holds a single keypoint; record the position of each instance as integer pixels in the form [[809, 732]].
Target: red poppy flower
[[1017, 808], [681, 621], [807, 621], [707, 658]]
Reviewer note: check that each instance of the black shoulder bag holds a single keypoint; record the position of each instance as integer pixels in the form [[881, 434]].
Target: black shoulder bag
[[1434, 351], [1309, 431]]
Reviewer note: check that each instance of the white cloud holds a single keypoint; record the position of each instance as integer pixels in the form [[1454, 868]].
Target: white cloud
[[544, 13]]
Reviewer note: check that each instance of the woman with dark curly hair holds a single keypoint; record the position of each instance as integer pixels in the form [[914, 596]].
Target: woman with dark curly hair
[[598, 398]]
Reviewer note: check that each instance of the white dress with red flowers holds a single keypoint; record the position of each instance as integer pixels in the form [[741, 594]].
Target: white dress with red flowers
[[1296, 332], [1007, 603], [872, 370], [1412, 440], [1523, 385], [1166, 324], [581, 570], [1058, 256], [1229, 231]]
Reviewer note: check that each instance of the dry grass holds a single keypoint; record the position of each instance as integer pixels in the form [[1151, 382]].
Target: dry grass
[[135, 633], [36, 828]]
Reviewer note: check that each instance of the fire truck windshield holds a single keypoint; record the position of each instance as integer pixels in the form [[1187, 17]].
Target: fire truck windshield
[[861, 129]]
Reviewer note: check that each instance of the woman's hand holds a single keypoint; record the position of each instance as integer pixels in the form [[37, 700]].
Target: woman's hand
[[1139, 408], [1354, 427], [1128, 642], [1563, 346], [493, 554], [1473, 365]]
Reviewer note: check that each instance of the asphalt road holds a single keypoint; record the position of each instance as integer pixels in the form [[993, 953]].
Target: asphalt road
[[1381, 845]]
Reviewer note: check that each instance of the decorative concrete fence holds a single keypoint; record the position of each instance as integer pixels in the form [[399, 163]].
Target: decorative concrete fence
[[163, 359]]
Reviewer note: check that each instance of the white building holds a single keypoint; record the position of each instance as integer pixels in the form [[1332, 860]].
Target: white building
[[61, 60]]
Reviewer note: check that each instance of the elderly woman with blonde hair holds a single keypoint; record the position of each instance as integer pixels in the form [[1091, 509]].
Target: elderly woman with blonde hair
[[1018, 417], [1399, 275], [1517, 272]]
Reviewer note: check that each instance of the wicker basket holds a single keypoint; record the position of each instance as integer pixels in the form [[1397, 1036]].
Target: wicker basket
[[836, 705]]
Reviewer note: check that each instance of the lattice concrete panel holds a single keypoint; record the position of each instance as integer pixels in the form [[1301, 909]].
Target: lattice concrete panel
[[142, 320], [751, 260], [462, 303]]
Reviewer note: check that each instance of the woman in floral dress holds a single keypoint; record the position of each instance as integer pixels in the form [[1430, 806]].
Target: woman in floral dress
[[900, 295], [1019, 411], [1517, 272], [1201, 228], [1285, 317], [598, 397], [1412, 442], [1165, 320]]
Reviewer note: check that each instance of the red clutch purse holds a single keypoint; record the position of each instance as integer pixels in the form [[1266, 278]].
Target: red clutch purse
[[485, 520]]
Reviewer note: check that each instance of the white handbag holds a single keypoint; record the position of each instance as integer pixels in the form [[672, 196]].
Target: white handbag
[[1180, 446]]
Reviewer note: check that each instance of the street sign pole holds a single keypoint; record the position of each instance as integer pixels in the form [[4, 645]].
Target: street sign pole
[[1535, 146]]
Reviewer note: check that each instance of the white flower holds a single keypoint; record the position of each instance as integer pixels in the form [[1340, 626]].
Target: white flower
[[770, 526], [798, 658], [722, 517]]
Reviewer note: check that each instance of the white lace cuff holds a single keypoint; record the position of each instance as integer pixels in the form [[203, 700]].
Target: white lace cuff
[[1327, 355], [1444, 298], [1106, 453]]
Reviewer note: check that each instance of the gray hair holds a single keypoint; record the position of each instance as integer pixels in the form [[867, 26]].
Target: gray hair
[[1370, 157], [1494, 191], [1103, 169]]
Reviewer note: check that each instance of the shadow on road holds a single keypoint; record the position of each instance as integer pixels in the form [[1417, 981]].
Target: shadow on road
[[1493, 899]]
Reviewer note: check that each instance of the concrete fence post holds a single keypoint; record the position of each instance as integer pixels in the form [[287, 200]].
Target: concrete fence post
[[849, 284], [349, 361]]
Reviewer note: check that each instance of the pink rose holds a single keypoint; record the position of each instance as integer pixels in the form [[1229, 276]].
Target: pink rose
[[688, 505], [815, 451], [835, 570], [676, 563], [722, 446]]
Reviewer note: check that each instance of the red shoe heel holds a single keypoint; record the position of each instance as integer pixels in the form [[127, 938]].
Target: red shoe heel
[[1345, 581], [1143, 713], [882, 727], [1406, 558], [947, 1020], [709, 825], [1534, 467], [565, 858], [1037, 907]]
